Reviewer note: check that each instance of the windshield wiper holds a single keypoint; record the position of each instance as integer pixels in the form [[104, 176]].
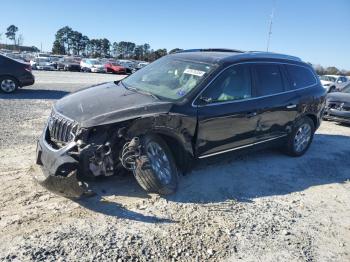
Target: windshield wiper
[[136, 90]]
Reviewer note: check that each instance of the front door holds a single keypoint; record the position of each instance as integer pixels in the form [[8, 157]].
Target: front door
[[227, 114]]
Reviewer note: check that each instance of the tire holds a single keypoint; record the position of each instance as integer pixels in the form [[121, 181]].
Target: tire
[[161, 182], [8, 84], [303, 131]]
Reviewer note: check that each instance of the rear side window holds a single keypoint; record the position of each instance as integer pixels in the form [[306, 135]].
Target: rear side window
[[300, 76], [269, 79]]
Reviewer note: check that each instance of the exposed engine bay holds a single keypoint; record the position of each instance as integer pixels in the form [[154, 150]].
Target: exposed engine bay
[[98, 151]]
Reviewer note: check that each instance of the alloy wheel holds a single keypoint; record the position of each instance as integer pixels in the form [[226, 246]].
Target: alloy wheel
[[302, 137], [8, 85], [159, 162]]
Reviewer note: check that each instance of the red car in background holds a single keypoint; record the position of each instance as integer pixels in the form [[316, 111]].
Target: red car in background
[[114, 67]]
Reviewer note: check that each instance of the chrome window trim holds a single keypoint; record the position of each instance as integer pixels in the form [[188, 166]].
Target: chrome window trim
[[240, 147], [251, 98]]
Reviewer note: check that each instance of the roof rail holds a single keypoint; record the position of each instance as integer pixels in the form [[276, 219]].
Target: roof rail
[[275, 55], [212, 50]]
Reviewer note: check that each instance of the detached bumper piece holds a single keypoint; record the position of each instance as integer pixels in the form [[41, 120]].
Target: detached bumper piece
[[68, 186], [341, 116], [59, 170]]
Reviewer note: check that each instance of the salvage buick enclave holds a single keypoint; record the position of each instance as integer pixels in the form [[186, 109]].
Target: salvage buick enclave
[[184, 106]]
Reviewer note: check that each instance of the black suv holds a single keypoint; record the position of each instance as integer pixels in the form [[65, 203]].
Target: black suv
[[13, 74], [189, 105]]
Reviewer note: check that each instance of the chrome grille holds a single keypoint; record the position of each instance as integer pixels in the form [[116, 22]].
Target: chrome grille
[[61, 128]]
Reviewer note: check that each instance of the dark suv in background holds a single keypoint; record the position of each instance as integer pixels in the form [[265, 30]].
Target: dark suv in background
[[13, 74], [189, 105]]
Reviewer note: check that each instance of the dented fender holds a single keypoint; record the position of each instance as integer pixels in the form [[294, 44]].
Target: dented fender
[[177, 126]]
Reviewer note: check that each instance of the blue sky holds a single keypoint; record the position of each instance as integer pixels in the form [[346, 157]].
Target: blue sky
[[316, 31]]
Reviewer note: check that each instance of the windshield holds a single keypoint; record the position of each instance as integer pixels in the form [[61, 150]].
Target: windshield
[[168, 78]]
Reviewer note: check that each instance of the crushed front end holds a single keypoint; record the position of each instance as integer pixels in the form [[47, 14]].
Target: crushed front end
[[69, 155]]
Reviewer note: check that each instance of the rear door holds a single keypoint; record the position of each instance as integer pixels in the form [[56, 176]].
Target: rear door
[[227, 114], [278, 105]]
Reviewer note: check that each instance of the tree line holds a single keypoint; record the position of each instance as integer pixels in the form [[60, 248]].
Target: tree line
[[332, 70], [71, 42]]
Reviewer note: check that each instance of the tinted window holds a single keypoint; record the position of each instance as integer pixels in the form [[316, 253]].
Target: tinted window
[[300, 76], [233, 84], [269, 79]]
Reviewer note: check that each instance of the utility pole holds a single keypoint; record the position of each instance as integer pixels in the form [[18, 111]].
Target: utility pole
[[270, 26]]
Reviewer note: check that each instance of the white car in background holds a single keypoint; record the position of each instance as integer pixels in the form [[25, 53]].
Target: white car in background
[[141, 65], [92, 65], [333, 82]]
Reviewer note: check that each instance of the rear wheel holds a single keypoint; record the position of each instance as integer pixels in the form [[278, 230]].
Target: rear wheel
[[8, 84], [300, 139], [156, 170]]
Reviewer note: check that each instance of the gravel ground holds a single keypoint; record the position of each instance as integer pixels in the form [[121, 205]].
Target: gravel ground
[[261, 206]]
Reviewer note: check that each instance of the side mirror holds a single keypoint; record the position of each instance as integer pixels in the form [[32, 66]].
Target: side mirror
[[339, 81]]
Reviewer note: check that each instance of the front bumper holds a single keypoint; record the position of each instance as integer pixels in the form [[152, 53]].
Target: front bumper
[[73, 68], [26, 79], [59, 169], [48, 68]]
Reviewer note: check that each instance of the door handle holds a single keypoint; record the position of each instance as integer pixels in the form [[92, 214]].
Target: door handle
[[291, 106], [251, 114]]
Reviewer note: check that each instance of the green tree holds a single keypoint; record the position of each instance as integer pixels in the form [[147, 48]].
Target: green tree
[[58, 48], [115, 49], [175, 50], [11, 33], [83, 45], [159, 53], [64, 35], [75, 39], [96, 47], [332, 70], [139, 52], [105, 47]]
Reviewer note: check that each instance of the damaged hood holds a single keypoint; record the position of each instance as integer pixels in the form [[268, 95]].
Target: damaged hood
[[108, 103]]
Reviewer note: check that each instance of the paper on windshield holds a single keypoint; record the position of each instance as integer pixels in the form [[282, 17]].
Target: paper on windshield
[[194, 72]]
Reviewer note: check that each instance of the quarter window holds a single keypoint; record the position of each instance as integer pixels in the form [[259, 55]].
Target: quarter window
[[269, 79], [233, 84], [300, 76]]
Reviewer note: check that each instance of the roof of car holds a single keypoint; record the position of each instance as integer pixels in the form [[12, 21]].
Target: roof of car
[[218, 56]]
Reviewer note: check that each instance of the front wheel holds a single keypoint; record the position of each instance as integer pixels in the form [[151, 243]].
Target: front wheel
[[8, 84], [156, 170], [300, 139]]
